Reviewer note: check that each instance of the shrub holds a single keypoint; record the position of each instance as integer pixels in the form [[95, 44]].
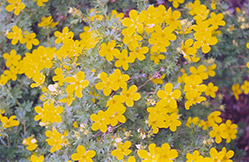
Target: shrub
[[84, 82]]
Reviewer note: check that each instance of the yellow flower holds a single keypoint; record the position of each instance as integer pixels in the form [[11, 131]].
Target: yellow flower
[[160, 39], [59, 76], [168, 96], [31, 142], [40, 2], [156, 57], [157, 117], [201, 13], [195, 121], [217, 20], [7, 123], [176, 2], [130, 95], [82, 155], [34, 158], [187, 50], [182, 78], [101, 120], [211, 71], [172, 122], [70, 98], [223, 155], [75, 124], [131, 39], [115, 15], [227, 155], [108, 50], [172, 18], [78, 83], [231, 130], [71, 48], [30, 39], [150, 156], [48, 113], [194, 7], [215, 155], [245, 87], [3, 79], [43, 57], [96, 15], [166, 154], [193, 83], [213, 118], [193, 97], [193, 157], [108, 83], [218, 132], [138, 52], [123, 59], [56, 140], [120, 79], [47, 21], [116, 113], [247, 45], [158, 80], [12, 58], [163, 153], [11, 73], [16, 35], [236, 90], [213, 5], [89, 38], [204, 40], [123, 149], [16, 5], [211, 89], [63, 36], [134, 22], [38, 79], [131, 159], [200, 71]]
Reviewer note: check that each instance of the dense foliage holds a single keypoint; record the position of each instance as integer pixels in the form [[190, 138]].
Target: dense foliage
[[120, 80]]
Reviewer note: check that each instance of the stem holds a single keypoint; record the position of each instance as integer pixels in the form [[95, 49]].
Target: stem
[[147, 81], [118, 126], [139, 76], [24, 127], [8, 141]]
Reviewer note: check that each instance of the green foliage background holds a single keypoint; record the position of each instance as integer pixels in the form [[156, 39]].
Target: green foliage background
[[16, 97]]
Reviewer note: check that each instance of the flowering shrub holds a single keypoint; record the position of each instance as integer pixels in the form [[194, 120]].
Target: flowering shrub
[[106, 85]]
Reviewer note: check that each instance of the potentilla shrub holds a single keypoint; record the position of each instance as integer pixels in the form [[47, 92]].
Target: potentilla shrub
[[104, 85]]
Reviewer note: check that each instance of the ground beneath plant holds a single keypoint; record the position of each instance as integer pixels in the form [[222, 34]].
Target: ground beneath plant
[[238, 112]]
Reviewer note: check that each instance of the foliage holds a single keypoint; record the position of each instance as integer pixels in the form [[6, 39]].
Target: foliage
[[120, 80]]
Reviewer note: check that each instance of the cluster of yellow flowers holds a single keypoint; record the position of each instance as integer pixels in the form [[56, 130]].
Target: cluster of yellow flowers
[[220, 130], [149, 32], [194, 86], [8, 122], [237, 89], [223, 155], [17, 5], [116, 109], [164, 114], [31, 142]]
